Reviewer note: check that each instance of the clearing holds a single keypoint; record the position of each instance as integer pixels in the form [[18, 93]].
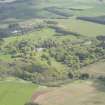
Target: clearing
[[76, 93]]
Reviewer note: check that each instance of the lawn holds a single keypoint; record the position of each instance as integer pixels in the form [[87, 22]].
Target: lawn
[[15, 92]]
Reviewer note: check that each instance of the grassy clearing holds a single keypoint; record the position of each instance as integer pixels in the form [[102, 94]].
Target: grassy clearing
[[77, 93], [15, 92], [82, 27], [5, 57], [97, 68]]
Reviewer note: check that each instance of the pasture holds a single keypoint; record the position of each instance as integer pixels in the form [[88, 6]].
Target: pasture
[[76, 93], [95, 69], [83, 27], [15, 91]]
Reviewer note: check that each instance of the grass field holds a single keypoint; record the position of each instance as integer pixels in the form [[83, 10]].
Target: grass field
[[82, 27], [97, 68], [15, 92], [76, 93]]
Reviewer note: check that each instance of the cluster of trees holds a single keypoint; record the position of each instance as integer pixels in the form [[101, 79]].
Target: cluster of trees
[[57, 61], [14, 29]]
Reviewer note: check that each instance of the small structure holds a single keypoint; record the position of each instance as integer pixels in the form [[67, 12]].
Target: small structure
[[39, 49], [16, 31], [88, 43]]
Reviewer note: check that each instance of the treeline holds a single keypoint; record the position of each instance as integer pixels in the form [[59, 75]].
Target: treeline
[[98, 19]]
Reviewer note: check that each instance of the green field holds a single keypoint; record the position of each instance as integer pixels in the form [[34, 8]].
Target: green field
[[83, 27], [15, 91], [52, 47]]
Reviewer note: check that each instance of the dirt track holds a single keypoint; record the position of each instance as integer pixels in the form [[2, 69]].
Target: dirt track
[[37, 94]]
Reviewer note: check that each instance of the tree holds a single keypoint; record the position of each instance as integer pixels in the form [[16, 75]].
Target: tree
[[84, 76], [14, 26]]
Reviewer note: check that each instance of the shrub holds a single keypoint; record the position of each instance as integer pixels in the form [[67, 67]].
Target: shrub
[[31, 103], [84, 76]]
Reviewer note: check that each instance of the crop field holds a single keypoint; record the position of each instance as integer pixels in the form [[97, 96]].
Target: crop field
[[15, 91]]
